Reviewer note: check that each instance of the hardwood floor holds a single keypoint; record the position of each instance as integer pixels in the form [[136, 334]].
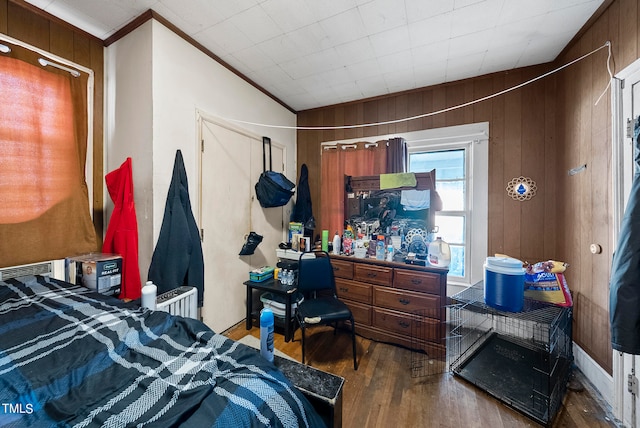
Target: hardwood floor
[[383, 393]]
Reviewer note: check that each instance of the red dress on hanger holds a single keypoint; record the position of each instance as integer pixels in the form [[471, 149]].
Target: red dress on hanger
[[122, 233]]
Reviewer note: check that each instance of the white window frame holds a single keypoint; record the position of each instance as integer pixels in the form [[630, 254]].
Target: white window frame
[[475, 137], [465, 146]]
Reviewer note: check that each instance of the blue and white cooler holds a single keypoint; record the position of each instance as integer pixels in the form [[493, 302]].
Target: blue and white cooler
[[504, 283]]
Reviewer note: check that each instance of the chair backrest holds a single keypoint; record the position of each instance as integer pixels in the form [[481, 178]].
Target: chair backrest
[[315, 273]]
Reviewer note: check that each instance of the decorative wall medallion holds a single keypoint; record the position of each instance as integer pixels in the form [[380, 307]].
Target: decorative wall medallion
[[522, 188]]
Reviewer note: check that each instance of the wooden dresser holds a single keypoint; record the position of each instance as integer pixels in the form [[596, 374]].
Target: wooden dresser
[[394, 302]]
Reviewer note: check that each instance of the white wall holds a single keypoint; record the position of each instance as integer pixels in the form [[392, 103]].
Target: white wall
[[128, 127], [156, 82], [185, 80]]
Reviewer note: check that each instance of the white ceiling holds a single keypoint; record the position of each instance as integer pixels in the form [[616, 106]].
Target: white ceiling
[[312, 53]]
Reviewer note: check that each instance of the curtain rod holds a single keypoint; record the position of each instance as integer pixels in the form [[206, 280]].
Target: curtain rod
[[43, 62]]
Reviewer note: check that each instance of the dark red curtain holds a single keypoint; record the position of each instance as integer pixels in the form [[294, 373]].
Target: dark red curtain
[[354, 159]]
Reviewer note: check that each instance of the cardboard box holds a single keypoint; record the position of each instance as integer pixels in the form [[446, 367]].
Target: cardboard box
[[295, 228], [98, 271]]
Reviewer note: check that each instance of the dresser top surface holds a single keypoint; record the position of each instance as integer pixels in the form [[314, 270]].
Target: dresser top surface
[[397, 265]]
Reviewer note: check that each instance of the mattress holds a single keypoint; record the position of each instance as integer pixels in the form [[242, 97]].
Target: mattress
[[72, 357]]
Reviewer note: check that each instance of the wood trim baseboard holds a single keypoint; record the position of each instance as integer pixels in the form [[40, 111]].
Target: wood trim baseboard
[[599, 378]]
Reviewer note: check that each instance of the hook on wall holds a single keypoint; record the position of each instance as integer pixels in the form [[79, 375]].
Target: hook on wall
[[577, 169]]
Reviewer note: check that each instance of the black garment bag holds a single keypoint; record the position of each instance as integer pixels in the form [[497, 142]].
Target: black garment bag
[[273, 189]]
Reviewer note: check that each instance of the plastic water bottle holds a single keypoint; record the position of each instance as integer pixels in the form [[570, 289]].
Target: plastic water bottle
[[439, 253], [336, 243], [380, 249], [266, 334], [149, 292]]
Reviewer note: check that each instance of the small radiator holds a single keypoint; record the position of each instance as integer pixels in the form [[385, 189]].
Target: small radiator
[[53, 269], [181, 301]]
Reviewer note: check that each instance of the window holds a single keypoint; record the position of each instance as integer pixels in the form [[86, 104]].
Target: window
[[460, 156], [451, 184], [45, 131]]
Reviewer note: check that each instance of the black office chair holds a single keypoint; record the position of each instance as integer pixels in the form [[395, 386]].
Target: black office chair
[[321, 305]]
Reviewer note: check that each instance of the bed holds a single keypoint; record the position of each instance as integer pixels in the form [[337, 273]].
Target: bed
[[72, 357]]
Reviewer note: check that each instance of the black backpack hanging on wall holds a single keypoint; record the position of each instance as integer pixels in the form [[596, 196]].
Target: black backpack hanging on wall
[[273, 189]]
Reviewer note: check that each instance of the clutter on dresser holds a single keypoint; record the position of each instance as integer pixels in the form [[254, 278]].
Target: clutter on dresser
[[393, 224]]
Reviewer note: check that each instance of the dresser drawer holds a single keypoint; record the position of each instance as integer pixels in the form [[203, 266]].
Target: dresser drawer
[[361, 313], [418, 281], [355, 291], [407, 301], [373, 274], [417, 328], [342, 269]]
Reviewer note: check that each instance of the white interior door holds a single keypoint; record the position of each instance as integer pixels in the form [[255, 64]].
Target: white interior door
[[231, 163]]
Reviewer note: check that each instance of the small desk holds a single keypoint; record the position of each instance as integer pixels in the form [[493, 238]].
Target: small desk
[[276, 287]]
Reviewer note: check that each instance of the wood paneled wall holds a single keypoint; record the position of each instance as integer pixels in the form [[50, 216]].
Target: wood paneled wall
[[522, 138], [26, 23], [585, 132], [540, 131]]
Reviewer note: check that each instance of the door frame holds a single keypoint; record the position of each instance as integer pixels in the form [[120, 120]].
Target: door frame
[[272, 223], [622, 175]]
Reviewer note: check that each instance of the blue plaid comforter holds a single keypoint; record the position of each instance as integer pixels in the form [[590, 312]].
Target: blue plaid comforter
[[70, 357]]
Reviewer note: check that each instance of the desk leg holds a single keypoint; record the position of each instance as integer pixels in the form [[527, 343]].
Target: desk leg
[[287, 319], [249, 322]]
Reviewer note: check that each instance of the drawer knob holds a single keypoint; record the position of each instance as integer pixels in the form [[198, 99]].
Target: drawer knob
[[345, 289], [404, 324], [416, 281], [372, 274], [404, 301]]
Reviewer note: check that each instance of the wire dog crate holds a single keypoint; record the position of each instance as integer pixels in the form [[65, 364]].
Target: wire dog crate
[[522, 358], [428, 350]]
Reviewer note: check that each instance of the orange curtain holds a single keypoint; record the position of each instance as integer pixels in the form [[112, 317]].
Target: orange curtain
[[345, 159], [44, 207]]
